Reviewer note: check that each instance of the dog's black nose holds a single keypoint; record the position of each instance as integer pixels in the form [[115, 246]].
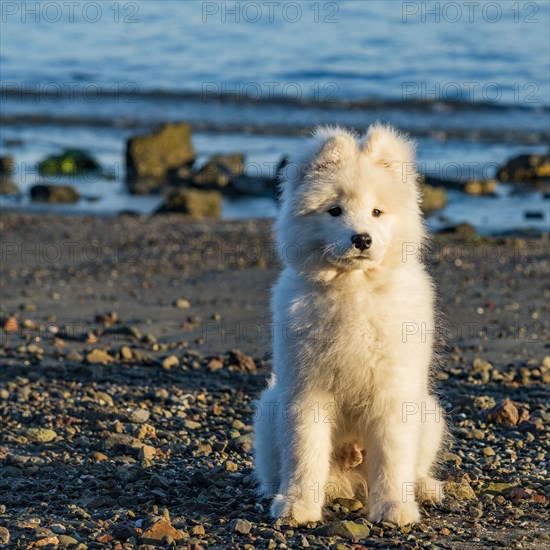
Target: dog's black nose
[[362, 241]]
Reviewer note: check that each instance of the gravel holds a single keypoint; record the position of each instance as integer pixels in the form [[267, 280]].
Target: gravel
[[104, 446]]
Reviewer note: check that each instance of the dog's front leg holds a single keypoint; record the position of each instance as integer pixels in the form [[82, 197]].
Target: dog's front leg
[[392, 450], [305, 458]]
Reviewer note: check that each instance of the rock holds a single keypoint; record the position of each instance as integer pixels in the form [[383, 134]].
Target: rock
[[7, 165], [481, 187], [241, 361], [534, 215], [433, 198], [74, 356], [192, 425], [214, 365], [47, 541], [525, 426], [98, 356], [488, 451], [194, 202], [147, 452], [67, 541], [42, 435], [507, 412], [123, 532], [242, 442], [10, 324], [241, 526], [170, 361], [139, 416], [150, 157], [220, 171], [146, 431], [345, 529], [54, 193], [98, 457], [7, 186], [10, 471], [262, 186], [232, 161], [115, 441], [204, 450], [482, 369], [460, 491], [351, 504], [495, 488], [126, 353], [159, 482], [103, 398], [158, 531], [70, 162], [125, 330], [4, 535], [525, 169], [212, 175], [182, 303], [230, 466], [484, 402]]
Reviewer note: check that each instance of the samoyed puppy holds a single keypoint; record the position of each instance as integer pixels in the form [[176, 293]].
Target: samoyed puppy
[[348, 410]]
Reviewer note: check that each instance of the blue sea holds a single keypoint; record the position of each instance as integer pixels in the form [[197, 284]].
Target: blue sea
[[470, 81]]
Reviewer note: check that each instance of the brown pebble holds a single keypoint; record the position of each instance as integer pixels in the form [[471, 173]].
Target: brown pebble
[[98, 457]]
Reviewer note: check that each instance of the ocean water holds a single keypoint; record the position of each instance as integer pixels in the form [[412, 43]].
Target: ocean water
[[469, 81]]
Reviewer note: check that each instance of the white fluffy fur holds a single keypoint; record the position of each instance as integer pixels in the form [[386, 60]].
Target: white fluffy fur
[[353, 337]]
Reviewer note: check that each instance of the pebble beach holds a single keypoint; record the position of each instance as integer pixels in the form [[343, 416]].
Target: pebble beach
[[132, 349]]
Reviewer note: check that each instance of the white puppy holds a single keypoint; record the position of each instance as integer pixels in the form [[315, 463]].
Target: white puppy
[[348, 406]]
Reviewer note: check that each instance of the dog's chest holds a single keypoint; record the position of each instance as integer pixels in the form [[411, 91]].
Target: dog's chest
[[344, 333]]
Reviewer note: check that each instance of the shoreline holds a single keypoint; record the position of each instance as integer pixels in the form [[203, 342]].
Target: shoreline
[[127, 409]]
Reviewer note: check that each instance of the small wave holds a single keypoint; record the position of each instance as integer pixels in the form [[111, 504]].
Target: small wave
[[241, 95], [509, 135]]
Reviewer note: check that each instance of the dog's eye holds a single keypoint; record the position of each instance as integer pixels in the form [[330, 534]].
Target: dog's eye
[[335, 211], [376, 213]]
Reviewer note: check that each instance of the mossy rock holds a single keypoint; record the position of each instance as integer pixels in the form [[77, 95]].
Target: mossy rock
[[433, 198], [150, 157], [525, 168], [460, 491], [496, 488], [54, 194], [7, 187], [71, 162], [345, 529]]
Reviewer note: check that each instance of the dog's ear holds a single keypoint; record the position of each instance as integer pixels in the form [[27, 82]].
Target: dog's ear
[[387, 147], [333, 146]]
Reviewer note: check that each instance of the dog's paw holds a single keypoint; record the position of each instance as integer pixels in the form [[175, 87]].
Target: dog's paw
[[400, 513], [429, 490], [298, 510]]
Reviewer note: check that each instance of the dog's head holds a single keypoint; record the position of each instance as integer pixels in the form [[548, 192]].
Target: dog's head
[[348, 203]]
